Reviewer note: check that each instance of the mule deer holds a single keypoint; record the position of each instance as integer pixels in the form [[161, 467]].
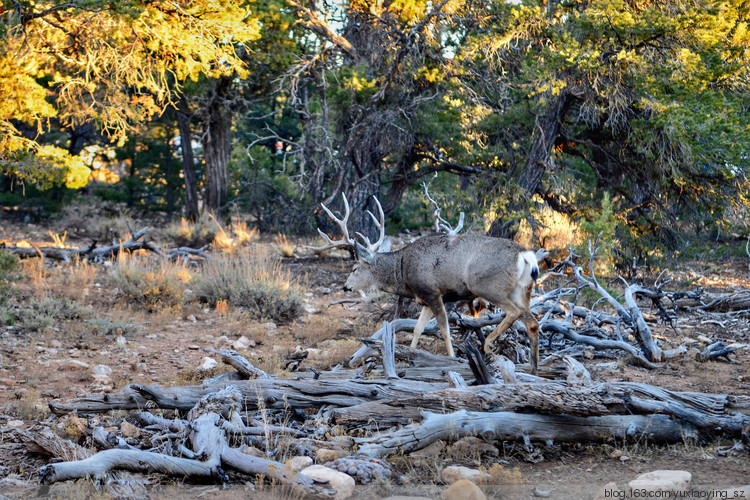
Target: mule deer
[[444, 268]]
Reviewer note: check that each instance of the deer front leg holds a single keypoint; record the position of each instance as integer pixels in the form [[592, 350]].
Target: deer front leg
[[424, 317], [532, 331], [511, 315]]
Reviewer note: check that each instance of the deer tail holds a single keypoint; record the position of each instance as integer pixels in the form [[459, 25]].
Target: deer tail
[[528, 268]]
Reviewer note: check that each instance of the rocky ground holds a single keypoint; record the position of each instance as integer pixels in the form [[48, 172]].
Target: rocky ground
[[112, 343]]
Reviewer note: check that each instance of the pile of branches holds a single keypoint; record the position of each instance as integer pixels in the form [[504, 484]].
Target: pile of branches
[[399, 401], [96, 253]]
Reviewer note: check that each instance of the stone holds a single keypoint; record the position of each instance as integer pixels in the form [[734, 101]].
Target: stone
[[269, 326], [241, 343], [121, 341], [472, 445], [7, 382], [323, 455], [208, 364], [431, 451], [463, 490], [607, 491], [16, 424], [55, 344], [73, 364], [661, 480], [342, 483], [455, 473], [129, 430], [299, 463]]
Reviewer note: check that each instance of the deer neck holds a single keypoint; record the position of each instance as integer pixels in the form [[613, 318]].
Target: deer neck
[[388, 271]]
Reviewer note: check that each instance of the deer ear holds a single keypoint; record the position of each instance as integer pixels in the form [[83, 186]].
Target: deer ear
[[363, 255]]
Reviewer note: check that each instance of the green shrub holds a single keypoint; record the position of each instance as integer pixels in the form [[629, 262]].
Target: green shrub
[[9, 267], [104, 326], [253, 281], [38, 314], [151, 282]]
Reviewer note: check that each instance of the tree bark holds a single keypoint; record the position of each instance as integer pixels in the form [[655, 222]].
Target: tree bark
[[217, 146], [546, 130], [188, 161]]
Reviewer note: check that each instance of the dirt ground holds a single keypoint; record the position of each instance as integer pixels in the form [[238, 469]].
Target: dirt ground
[[164, 346]]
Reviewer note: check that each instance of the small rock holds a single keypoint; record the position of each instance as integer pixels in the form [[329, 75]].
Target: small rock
[[224, 340], [541, 493], [615, 454], [269, 326], [73, 364], [15, 424], [431, 451], [192, 318], [7, 382], [101, 373], [194, 347], [121, 341], [241, 343], [705, 339], [471, 445], [208, 364], [253, 451], [463, 490], [129, 430], [661, 480], [608, 491], [323, 455], [342, 483], [56, 344], [624, 458], [455, 473], [299, 463]]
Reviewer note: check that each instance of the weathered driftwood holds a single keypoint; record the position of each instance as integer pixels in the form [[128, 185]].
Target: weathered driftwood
[[549, 398], [117, 484], [239, 363], [269, 393], [528, 427], [208, 440], [99, 253]]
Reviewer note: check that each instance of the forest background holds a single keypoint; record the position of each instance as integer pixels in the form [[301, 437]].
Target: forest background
[[553, 119]]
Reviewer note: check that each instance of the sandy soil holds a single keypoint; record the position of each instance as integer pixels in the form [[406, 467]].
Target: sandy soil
[[165, 345]]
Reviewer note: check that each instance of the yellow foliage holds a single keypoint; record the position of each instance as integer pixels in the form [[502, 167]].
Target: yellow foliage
[[115, 65]]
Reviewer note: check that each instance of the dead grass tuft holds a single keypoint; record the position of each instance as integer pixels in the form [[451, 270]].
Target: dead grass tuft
[[151, 282], [254, 281]]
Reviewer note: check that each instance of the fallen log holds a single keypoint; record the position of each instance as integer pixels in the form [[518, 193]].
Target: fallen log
[[518, 426], [208, 441], [271, 393]]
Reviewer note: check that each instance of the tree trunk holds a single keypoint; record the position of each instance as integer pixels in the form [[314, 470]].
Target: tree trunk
[[217, 146], [188, 162], [546, 130]]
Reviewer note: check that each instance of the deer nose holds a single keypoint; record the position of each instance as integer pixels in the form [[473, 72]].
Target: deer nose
[[346, 288]]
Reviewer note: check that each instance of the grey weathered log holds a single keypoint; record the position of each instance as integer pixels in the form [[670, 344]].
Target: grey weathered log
[[517, 426], [388, 351], [270, 393], [239, 363], [550, 398], [118, 484], [208, 440]]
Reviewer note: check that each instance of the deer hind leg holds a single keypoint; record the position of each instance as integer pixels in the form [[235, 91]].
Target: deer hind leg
[[424, 317], [532, 331], [442, 320]]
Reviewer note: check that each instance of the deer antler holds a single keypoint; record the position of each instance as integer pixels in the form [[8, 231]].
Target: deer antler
[[347, 241], [440, 223], [380, 224]]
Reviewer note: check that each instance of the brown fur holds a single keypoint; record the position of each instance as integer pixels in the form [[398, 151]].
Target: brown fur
[[440, 266]]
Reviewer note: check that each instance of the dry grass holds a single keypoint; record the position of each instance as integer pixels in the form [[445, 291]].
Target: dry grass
[[151, 282], [253, 280], [285, 248], [36, 275], [555, 231], [192, 234]]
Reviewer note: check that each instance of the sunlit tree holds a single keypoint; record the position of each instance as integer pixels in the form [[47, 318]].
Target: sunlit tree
[[113, 64]]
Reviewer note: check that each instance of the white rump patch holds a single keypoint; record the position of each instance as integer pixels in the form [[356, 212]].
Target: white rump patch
[[528, 268]]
